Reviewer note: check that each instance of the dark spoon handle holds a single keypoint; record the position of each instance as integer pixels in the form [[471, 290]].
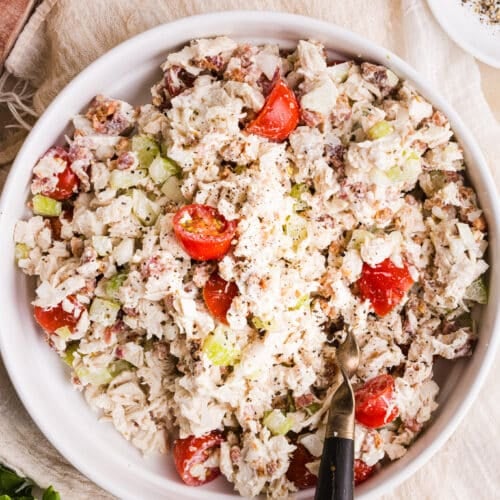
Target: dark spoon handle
[[335, 480]]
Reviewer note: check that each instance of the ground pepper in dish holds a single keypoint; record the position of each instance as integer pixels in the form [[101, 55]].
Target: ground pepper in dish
[[488, 10]]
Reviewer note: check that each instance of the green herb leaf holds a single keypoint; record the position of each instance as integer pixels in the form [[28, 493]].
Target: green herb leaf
[[51, 494]]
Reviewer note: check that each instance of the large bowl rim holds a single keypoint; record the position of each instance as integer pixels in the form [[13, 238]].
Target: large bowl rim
[[297, 22]]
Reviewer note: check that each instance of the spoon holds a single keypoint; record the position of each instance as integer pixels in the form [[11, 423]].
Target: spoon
[[336, 471]]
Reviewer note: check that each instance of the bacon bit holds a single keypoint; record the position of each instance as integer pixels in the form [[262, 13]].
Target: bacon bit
[[99, 111], [55, 227], [335, 156], [125, 161], [119, 352], [243, 53], [80, 154], [211, 63], [177, 79], [412, 425], [235, 454], [466, 349], [130, 311], [310, 118], [265, 84], [152, 267], [271, 468], [104, 116], [377, 75], [303, 400]]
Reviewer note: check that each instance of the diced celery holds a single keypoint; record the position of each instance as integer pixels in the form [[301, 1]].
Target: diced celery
[[119, 366], [339, 72], [22, 251], [147, 149], [69, 353], [104, 311], [172, 190], [411, 155], [359, 236], [163, 168], [303, 301], [113, 285], [262, 325], [125, 179], [43, 205], [99, 377], [290, 402], [408, 172], [379, 130], [278, 423], [477, 291], [102, 245], [64, 332], [296, 192], [146, 210], [313, 408], [219, 350], [296, 228]]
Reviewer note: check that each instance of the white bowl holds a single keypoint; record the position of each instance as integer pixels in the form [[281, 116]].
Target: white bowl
[[41, 380]]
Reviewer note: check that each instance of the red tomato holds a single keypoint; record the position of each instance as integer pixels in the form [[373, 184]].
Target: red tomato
[[204, 233], [218, 295], [192, 451], [279, 116], [362, 471], [68, 182], [297, 471], [375, 402], [384, 285], [56, 317]]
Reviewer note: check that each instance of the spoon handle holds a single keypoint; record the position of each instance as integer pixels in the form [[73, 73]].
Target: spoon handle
[[336, 481]]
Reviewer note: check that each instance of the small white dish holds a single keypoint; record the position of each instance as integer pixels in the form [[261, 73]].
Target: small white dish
[[466, 29], [40, 378]]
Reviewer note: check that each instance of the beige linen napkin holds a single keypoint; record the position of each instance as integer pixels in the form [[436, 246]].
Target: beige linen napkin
[[64, 36]]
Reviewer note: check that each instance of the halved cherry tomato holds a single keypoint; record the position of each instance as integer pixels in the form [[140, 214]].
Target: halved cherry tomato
[[384, 285], [194, 451], [375, 402], [297, 471], [218, 295], [68, 182], [204, 233], [56, 317], [279, 116], [362, 471]]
